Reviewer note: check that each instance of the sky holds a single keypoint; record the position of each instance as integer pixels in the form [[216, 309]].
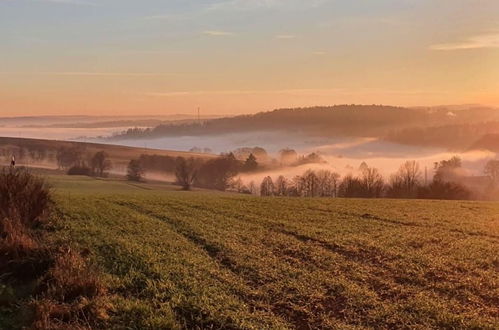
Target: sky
[[135, 57]]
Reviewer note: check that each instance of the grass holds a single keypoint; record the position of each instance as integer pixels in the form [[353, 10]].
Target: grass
[[44, 283], [174, 259]]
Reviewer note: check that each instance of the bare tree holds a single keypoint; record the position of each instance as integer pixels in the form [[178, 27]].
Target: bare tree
[[372, 182], [492, 170], [351, 186], [267, 187], [407, 180], [328, 182], [66, 157], [252, 188], [310, 184], [239, 186], [281, 186], [100, 163], [186, 172]]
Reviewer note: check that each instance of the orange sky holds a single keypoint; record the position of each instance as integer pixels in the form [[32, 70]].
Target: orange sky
[[240, 56]]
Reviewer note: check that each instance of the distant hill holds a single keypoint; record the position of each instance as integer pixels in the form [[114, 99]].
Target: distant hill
[[341, 120], [487, 142], [96, 121], [457, 137], [119, 155]]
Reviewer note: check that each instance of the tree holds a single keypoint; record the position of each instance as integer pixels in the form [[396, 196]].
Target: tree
[[252, 188], [439, 189], [288, 156], [186, 172], [218, 173], [250, 164], [68, 157], [135, 170], [281, 186], [239, 186], [492, 170], [350, 186], [267, 187], [372, 182], [328, 182], [405, 183], [310, 184], [100, 163], [448, 170]]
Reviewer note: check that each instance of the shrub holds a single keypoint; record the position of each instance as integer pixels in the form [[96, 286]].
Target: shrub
[[439, 189], [71, 294], [135, 171], [24, 196], [80, 170]]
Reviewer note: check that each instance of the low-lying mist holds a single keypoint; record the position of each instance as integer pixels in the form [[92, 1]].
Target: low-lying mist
[[341, 155]]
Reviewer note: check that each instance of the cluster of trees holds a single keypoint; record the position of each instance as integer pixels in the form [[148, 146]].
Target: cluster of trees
[[76, 162], [407, 182], [323, 183], [34, 152], [215, 173], [242, 160]]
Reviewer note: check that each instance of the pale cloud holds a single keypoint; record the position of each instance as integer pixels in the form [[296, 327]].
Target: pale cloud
[[69, 2], [490, 40], [285, 36], [319, 53], [265, 4], [160, 17], [89, 74], [218, 33], [300, 92], [248, 92]]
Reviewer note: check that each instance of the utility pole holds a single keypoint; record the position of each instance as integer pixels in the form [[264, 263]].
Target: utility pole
[[199, 116]]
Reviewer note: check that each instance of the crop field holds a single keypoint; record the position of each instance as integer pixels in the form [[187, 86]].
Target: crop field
[[174, 259]]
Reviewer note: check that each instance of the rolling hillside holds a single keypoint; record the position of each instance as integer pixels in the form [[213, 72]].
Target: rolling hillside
[[119, 155], [341, 120]]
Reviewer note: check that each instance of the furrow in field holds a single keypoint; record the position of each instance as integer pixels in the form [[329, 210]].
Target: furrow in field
[[376, 259], [171, 271]]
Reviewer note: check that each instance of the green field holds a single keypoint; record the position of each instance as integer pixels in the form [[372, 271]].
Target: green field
[[174, 259]]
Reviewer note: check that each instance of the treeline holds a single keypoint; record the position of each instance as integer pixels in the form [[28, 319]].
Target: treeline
[[216, 173], [34, 152], [407, 183], [455, 137], [76, 162], [341, 120]]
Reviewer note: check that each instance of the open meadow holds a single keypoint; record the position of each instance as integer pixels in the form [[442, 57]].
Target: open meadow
[[202, 259]]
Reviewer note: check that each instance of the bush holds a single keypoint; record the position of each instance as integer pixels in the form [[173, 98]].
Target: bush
[[24, 196], [69, 294], [439, 189], [80, 170], [134, 171], [24, 206]]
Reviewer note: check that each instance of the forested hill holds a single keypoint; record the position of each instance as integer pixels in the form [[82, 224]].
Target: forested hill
[[487, 142], [341, 120]]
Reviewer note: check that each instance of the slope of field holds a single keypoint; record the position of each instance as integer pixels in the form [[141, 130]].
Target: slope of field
[[119, 155], [177, 259]]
